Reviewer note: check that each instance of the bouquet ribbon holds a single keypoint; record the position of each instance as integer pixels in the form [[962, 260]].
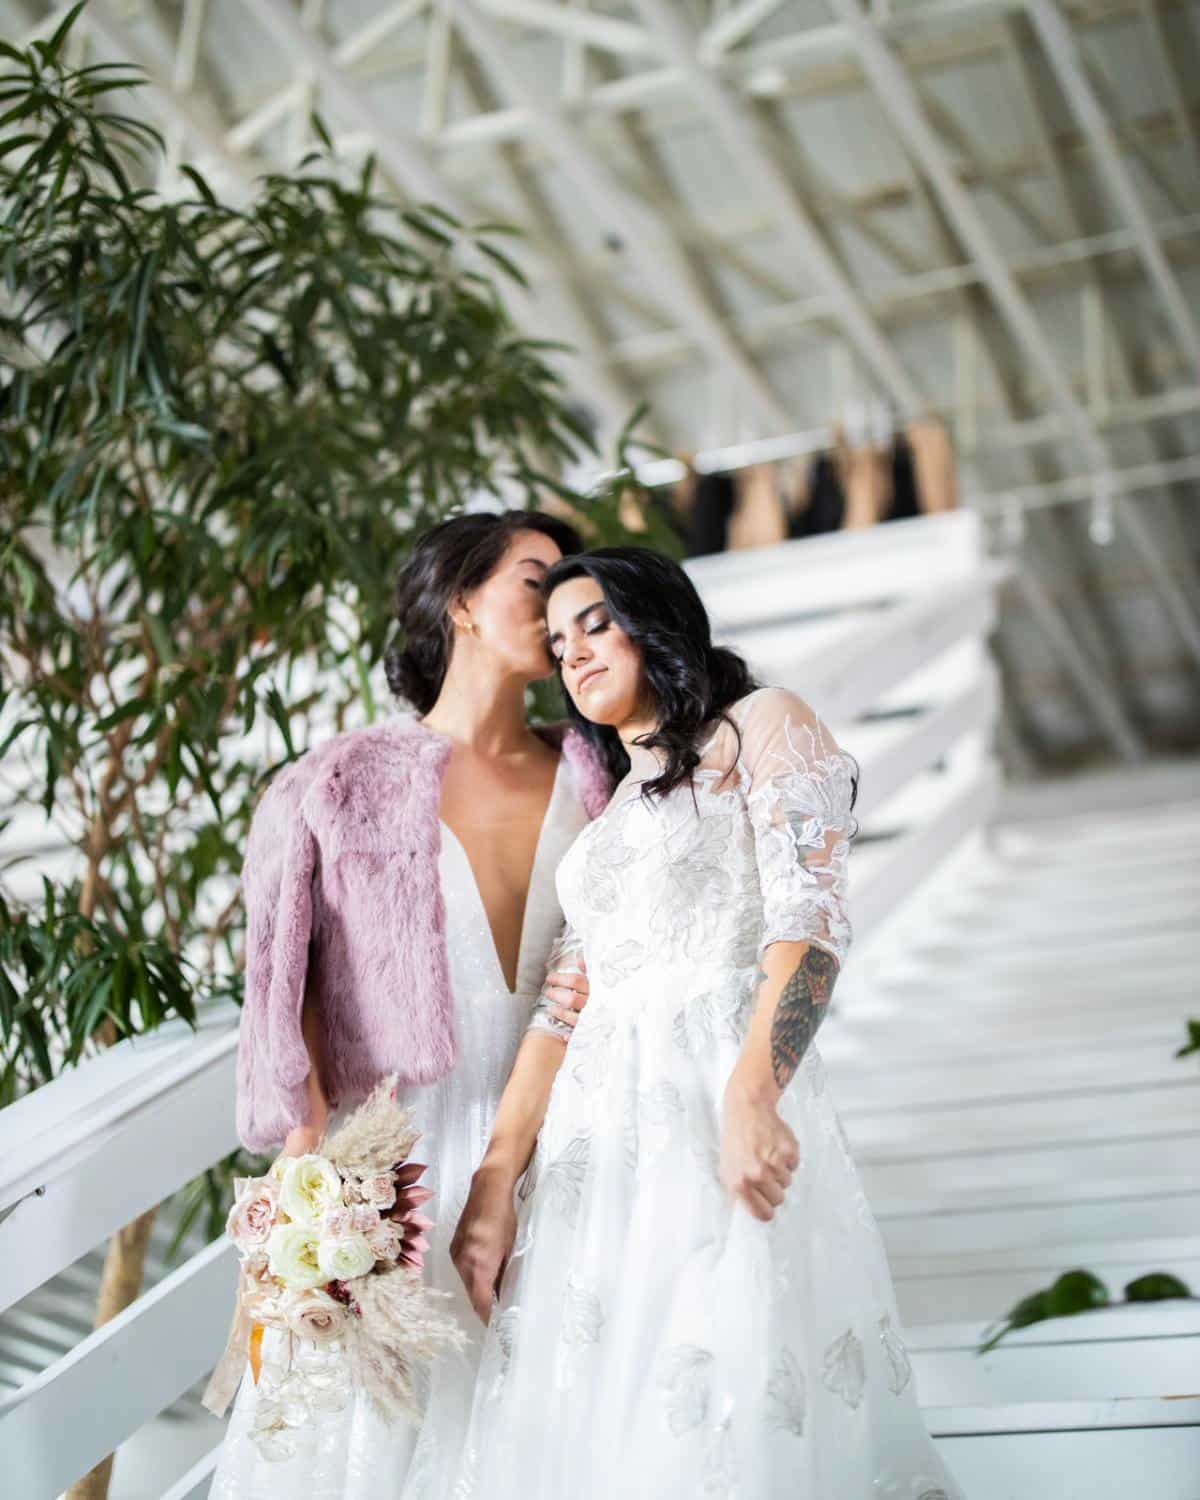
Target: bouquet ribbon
[[239, 1346]]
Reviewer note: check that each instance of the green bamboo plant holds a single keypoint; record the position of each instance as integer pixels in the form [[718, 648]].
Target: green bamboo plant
[[220, 428]]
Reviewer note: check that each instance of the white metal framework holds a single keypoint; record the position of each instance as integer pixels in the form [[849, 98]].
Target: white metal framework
[[747, 212]]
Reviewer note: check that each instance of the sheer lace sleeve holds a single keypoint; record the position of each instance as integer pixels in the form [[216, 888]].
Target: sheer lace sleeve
[[564, 955], [800, 796]]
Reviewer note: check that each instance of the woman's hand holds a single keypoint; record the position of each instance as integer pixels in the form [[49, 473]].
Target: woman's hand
[[759, 1150], [484, 1236], [302, 1139], [568, 992]]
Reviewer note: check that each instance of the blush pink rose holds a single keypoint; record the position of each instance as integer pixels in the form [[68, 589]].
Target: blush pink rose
[[254, 1211], [386, 1240], [313, 1314], [379, 1192]]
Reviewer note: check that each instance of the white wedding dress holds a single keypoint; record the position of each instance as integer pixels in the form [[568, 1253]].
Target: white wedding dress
[[351, 1454], [652, 1340]]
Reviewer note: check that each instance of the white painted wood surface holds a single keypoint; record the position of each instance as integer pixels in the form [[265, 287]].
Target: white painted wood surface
[[120, 1376]]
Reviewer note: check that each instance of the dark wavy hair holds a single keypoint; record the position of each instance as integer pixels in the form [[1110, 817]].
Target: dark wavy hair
[[451, 558], [691, 680]]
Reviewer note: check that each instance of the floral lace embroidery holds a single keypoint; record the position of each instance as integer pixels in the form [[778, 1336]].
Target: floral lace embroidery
[[583, 1316], [685, 1380], [605, 856], [562, 1181], [899, 1365], [695, 877], [786, 1395], [845, 1371], [625, 959], [716, 1015]]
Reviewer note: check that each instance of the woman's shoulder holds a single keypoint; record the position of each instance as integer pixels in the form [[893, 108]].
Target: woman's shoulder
[[770, 703], [774, 722], [371, 754]]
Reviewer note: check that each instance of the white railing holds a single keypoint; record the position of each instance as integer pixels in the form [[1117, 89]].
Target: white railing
[[883, 631]]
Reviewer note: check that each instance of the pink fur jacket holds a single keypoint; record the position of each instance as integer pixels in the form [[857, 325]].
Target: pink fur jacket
[[342, 893]]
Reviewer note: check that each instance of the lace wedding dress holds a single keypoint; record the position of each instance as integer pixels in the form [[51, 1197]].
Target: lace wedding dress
[[653, 1340], [351, 1454]]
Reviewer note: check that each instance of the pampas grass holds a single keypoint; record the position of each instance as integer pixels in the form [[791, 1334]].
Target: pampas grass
[[403, 1328], [374, 1137]]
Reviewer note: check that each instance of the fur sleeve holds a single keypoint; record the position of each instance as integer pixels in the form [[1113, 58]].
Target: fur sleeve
[[277, 879]]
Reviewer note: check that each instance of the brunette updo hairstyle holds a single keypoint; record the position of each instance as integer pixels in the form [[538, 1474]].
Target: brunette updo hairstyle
[[451, 558]]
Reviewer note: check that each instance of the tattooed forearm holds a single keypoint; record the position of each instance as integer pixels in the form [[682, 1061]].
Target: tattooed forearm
[[800, 1011]]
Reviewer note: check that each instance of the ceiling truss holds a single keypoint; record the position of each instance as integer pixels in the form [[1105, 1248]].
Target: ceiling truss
[[735, 75]]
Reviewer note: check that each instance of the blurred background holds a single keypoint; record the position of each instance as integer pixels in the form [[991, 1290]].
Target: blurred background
[[886, 318]]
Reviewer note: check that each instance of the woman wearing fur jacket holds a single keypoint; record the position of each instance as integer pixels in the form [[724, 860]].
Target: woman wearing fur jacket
[[401, 918]]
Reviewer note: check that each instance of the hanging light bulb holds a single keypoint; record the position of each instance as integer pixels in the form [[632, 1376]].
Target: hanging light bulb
[[1101, 522]]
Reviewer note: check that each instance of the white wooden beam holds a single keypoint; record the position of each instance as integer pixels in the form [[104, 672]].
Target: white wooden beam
[[1184, 115], [1079, 488], [405, 160], [730, 116], [895, 92], [649, 244], [1063, 51], [547, 242], [933, 286], [605, 32], [734, 26]]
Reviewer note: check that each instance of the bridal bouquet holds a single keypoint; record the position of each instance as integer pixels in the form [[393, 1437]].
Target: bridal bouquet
[[331, 1246]]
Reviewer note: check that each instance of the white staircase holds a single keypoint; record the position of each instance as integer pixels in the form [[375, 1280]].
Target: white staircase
[[1003, 1062], [1001, 1054]]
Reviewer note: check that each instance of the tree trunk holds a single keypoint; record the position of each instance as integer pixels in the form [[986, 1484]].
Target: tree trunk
[[120, 1283]]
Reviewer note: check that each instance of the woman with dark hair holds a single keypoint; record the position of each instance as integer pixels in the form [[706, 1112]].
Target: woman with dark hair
[[694, 1299], [401, 911]]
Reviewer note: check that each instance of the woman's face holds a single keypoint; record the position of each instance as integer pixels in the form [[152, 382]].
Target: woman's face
[[506, 609], [601, 666]]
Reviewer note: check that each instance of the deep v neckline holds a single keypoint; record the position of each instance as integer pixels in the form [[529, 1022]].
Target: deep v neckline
[[539, 850]]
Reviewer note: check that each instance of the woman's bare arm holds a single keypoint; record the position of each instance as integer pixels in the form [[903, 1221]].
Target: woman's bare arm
[[305, 1135], [483, 1239]]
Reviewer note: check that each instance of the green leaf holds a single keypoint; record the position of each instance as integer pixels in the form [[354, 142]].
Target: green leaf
[[510, 267], [53, 46], [199, 183], [1156, 1286], [1076, 1292], [321, 130], [1193, 1042]]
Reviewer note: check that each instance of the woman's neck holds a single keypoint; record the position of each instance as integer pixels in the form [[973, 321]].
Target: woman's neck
[[482, 711]]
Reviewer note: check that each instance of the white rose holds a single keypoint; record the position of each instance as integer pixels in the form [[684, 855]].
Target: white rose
[[310, 1185], [344, 1259], [314, 1315], [292, 1256]]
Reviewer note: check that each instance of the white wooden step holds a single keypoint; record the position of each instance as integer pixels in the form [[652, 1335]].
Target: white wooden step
[[1112, 1450], [897, 1136], [926, 1231], [1151, 1350]]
